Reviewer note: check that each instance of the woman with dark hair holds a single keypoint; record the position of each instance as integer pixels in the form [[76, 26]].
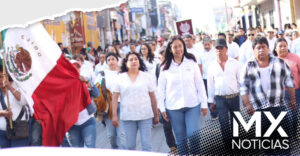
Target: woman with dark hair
[[148, 57], [182, 93], [115, 50], [293, 61], [138, 105], [115, 135], [18, 110]]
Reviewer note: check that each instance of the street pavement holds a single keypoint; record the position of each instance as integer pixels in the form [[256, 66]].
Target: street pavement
[[210, 137], [158, 138]]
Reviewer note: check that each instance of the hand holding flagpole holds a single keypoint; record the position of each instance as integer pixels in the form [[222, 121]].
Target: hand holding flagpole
[[4, 79]]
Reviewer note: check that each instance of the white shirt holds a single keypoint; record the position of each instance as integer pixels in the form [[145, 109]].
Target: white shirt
[[233, 50], [15, 106], [265, 78], [150, 66], [205, 59], [296, 46], [199, 46], [125, 49], [246, 52], [181, 86], [86, 70], [135, 101], [83, 117], [289, 42], [221, 82], [272, 43], [110, 79], [100, 67], [138, 48], [194, 51]]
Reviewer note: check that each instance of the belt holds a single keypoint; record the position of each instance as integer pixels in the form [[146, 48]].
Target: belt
[[229, 96]]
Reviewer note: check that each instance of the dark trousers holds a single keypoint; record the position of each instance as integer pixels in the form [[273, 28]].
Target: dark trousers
[[225, 108], [215, 113], [293, 115], [170, 139], [35, 135], [285, 123]]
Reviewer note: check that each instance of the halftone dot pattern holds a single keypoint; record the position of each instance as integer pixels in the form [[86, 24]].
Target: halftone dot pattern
[[209, 140]]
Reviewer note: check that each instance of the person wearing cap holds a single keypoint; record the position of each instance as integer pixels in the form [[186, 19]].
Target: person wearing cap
[[296, 42], [271, 39], [233, 48], [223, 88], [280, 34]]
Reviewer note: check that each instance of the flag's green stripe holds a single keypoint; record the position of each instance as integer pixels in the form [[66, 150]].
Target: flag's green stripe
[[3, 33]]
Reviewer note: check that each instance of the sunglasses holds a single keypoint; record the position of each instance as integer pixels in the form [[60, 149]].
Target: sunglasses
[[251, 34]]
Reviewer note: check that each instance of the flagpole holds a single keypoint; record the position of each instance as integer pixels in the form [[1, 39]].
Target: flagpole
[[4, 79]]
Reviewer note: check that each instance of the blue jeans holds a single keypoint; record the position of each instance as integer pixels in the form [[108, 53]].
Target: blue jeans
[[293, 115], [131, 128], [5, 143], [115, 135], [225, 108], [83, 135], [185, 123]]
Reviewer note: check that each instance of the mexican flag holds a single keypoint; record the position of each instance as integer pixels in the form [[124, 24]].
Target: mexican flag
[[49, 82]]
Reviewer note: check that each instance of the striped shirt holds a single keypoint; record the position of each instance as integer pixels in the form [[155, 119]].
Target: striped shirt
[[280, 77]]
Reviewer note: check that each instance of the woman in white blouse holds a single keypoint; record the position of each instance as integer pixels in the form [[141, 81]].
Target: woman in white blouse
[[137, 101], [115, 135], [148, 57], [182, 93], [17, 103]]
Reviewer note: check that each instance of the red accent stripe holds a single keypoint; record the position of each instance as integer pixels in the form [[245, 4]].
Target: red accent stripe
[[58, 100]]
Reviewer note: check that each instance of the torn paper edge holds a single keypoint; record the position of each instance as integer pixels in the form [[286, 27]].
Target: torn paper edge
[[52, 17]]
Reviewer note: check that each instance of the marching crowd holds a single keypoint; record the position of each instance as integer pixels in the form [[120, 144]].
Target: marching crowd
[[177, 82]]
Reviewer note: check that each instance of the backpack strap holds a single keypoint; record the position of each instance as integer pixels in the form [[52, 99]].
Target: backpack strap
[[22, 113], [4, 107]]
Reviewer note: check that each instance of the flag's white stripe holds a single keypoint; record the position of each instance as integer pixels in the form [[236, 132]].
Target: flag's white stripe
[[42, 63]]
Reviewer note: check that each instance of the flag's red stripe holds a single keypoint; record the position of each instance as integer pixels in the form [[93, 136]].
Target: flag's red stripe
[[58, 100]]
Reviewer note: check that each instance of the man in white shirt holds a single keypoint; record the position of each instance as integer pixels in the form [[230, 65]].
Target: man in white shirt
[[125, 49], [223, 89], [188, 39], [271, 39], [246, 50], [86, 69], [296, 43], [233, 48], [132, 47], [101, 66], [207, 56]]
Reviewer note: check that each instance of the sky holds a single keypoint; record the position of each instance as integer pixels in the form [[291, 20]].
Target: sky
[[200, 11]]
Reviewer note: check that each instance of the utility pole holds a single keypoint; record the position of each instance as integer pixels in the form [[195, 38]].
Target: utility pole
[[226, 11], [292, 3], [279, 14]]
